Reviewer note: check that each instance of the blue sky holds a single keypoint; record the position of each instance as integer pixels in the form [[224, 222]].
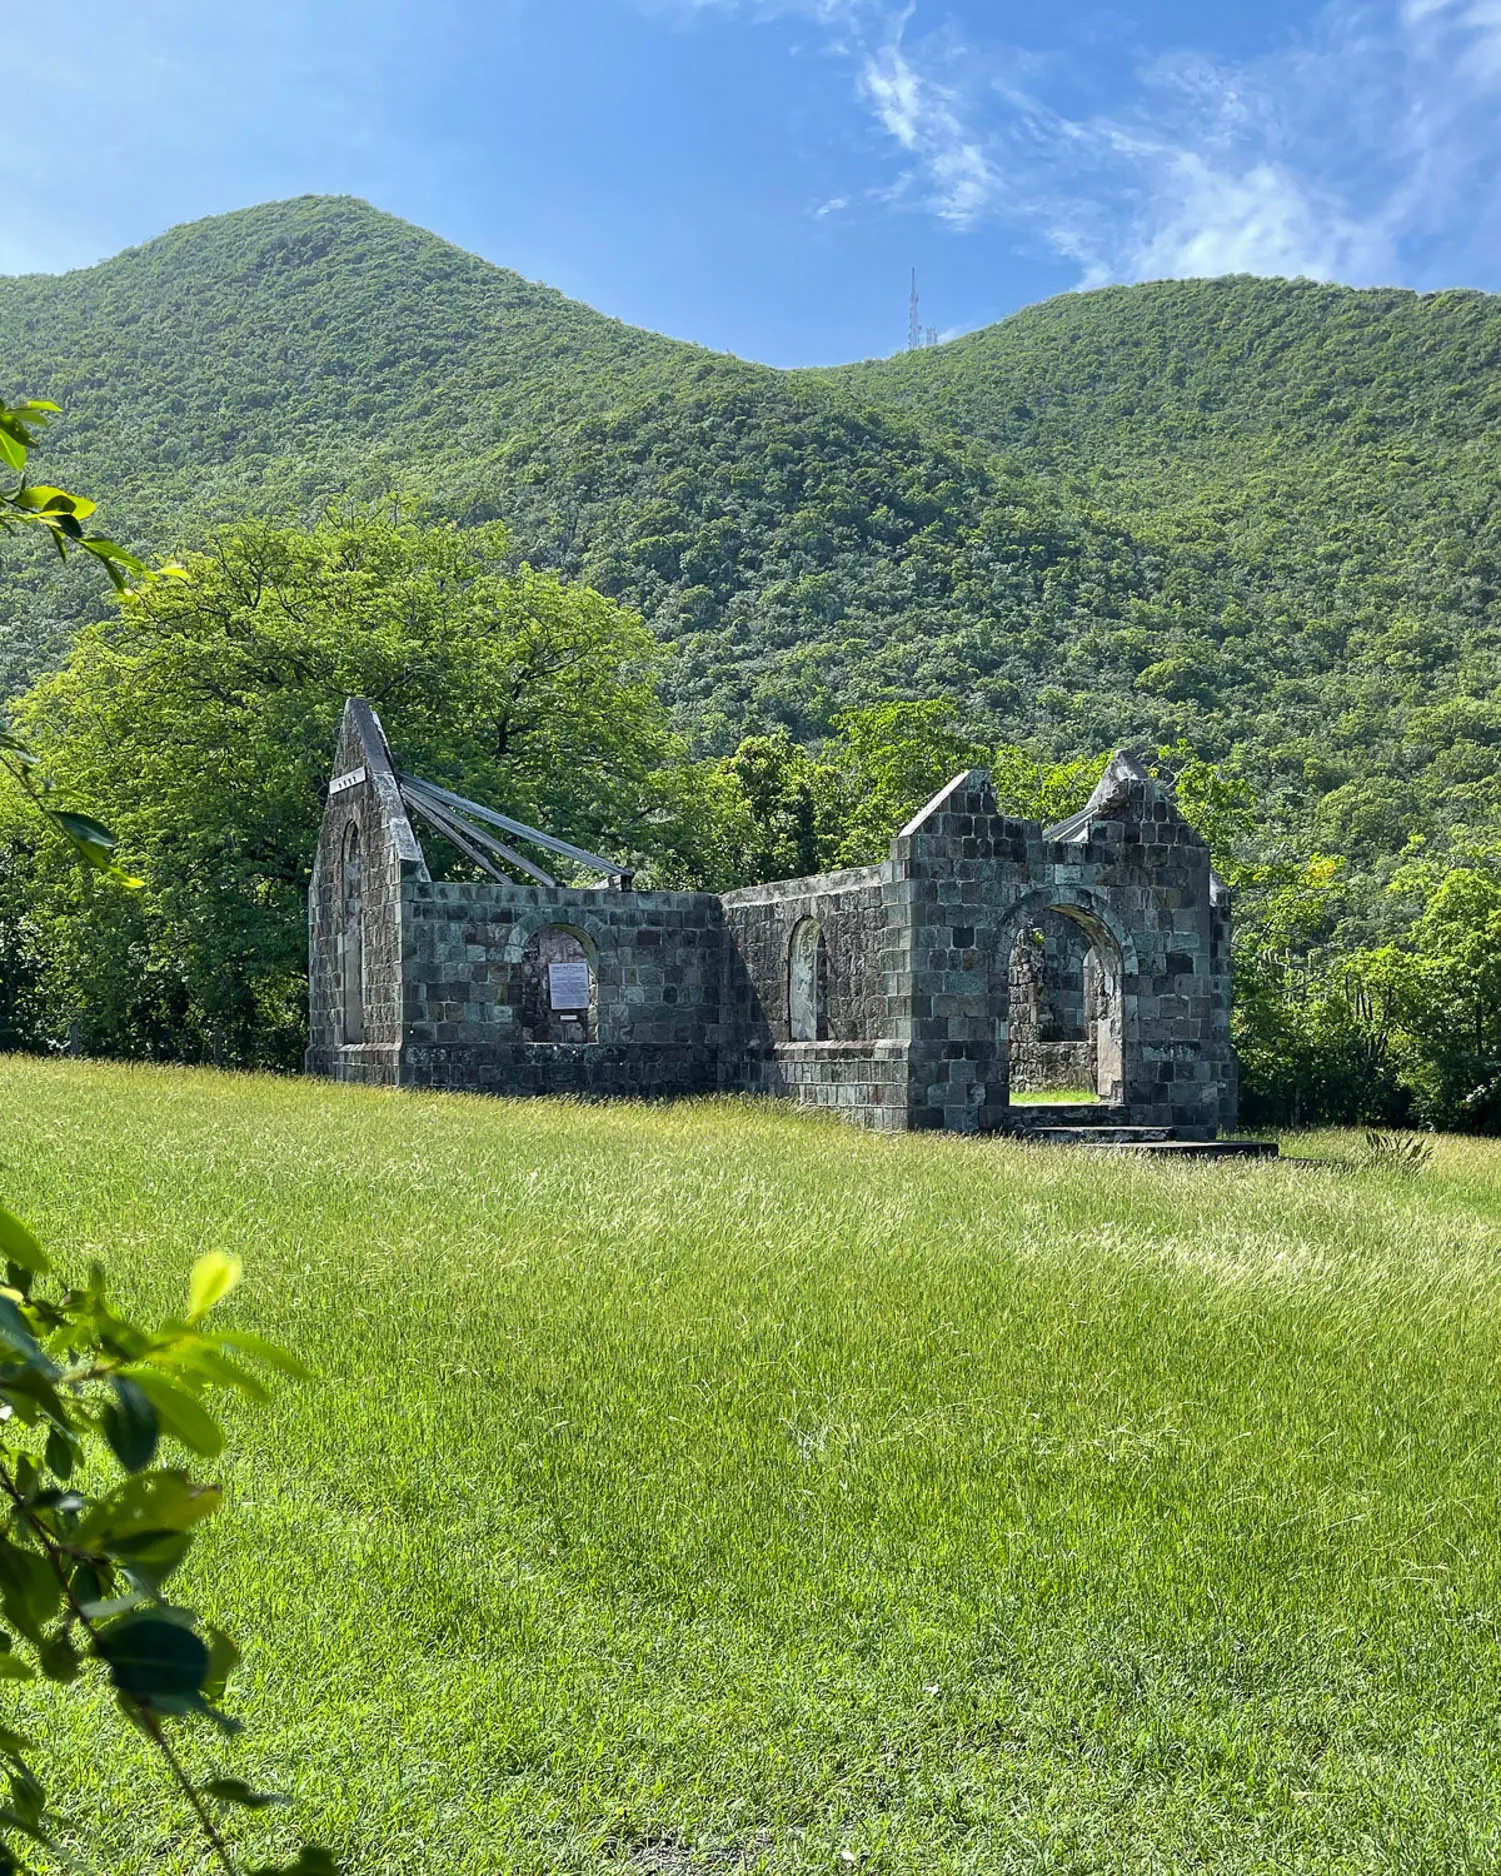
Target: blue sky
[[760, 175]]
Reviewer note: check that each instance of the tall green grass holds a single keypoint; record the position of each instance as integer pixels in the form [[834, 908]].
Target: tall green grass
[[714, 1487]]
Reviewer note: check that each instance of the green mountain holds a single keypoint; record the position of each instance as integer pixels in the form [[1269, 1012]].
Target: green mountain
[[1261, 515]]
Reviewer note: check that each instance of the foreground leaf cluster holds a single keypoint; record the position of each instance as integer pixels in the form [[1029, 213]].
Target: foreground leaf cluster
[[96, 1521]]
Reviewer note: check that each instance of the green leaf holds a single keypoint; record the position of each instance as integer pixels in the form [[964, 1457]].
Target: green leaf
[[16, 1336], [130, 1425], [261, 1350], [94, 841], [58, 1659], [112, 550], [27, 1796], [18, 1246], [236, 1791], [179, 1414], [86, 1584], [59, 1454], [214, 1275], [13, 1668], [29, 1591], [148, 1503], [312, 1860], [12, 450], [223, 1659], [148, 1560], [198, 1359], [12, 1820], [38, 498], [30, 1391], [154, 1659]]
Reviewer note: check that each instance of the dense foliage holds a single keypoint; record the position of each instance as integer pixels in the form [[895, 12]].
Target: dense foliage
[[1259, 515], [1252, 520], [92, 1526], [202, 715], [1315, 472]]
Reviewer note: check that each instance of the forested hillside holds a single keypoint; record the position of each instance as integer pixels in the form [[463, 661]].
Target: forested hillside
[[1258, 515], [1322, 467]]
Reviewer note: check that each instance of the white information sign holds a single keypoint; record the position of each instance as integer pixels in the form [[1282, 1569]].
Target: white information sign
[[568, 986], [341, 782]]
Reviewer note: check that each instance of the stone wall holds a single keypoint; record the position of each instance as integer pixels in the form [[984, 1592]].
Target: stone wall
[[1136, 880], [474, 996], [850, 1065], [889, 994], [864, 1082], [369, 803], [760, 921]]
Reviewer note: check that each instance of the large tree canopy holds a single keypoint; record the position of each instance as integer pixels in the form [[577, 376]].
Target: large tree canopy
[[203, 714]]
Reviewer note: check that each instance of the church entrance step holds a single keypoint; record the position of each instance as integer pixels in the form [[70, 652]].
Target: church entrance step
[[1121, 1135], [1031, 1115], [1214, 1149], [1158, 1140]]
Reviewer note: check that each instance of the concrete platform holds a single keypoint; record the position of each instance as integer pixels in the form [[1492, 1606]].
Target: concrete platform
[[1033, 1115], [1108, 1134]]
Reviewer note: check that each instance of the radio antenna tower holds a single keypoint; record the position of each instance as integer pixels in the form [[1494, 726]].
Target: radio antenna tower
[[914, 324]]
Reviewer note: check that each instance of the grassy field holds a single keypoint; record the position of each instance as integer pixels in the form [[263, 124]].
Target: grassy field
[[711, 1488]]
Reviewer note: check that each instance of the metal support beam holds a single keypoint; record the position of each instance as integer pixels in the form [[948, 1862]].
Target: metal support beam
[[611, 869], [462, 835]]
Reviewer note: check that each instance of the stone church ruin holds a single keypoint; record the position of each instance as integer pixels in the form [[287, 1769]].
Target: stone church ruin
[[987, 959]]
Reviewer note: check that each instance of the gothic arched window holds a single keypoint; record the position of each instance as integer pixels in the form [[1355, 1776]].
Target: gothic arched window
[[352, 940], [807, 983]]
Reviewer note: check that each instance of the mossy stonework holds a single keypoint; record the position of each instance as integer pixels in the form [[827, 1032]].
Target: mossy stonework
[[891, 994]]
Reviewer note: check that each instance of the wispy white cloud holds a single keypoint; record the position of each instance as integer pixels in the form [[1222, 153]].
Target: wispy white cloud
[[1363, 151], [924, 118], [1263, 219]]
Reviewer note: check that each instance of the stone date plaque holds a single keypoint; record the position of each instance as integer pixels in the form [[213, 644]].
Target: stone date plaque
[[568, 986]]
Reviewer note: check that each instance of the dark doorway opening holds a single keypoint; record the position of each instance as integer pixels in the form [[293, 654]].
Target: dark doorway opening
[[1064, 1009]]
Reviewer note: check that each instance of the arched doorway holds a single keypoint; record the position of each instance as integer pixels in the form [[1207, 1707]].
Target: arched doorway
[[1064, 1029], [559, 987]]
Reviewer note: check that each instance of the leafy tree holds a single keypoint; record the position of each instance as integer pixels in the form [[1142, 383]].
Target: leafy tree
[[1445, 989], [201, 718], [772, 799], [1259, 516], [1037, 789], [886, 761], [778, 810], [60, 517]]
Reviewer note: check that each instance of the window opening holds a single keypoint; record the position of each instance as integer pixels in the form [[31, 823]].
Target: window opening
[[352, 940], [808, 984], [1064, 1009], [559, 988]]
